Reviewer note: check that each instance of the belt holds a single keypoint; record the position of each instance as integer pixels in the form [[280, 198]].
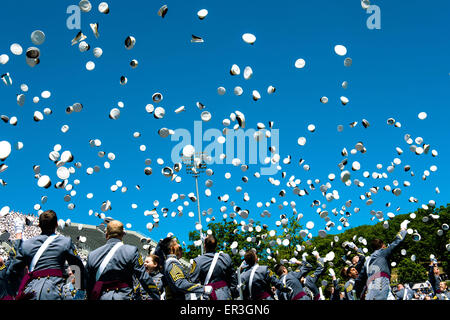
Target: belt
[[299, 295], [101, 286], [215, 286], [35, 275]]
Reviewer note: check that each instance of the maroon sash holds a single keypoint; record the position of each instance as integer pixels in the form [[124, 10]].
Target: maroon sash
[[101, 286], [215, 286], [32, 276], [299, 295], [263, 295], [376, 276], [7, 298]]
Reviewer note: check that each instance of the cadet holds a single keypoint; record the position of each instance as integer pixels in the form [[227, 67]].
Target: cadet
[[153, 266], [349, 288], [216, 270], [8, 287], [258, 280], [443, 294], [377, 267], [310, 281], [291, 280], [404, 293], [45, 255], [433, 276], [178, 287], [111, 268]]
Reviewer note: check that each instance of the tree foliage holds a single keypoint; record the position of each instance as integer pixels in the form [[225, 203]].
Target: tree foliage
[[271, 249]]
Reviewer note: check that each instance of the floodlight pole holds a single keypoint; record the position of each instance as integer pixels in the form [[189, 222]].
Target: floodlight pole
[[191, 169], [199, 214]]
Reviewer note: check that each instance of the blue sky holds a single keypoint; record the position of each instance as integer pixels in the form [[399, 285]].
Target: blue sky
[[398, 71]]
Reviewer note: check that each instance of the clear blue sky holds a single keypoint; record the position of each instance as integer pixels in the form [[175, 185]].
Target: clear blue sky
[[398, 71]]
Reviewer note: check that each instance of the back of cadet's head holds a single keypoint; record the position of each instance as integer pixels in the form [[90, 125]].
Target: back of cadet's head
[[376, 244], [48, 221], [250, 257], [166, 244], [114, 229], [210, 243]]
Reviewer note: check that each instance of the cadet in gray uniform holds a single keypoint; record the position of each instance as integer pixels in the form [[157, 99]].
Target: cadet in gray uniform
[[177, 284], [220, 275], [291, 280], [377, 267], [444, 294], [45, 256], [153, 266], [258, 280], [8, 287], [310, 281], [433, 277], [110, 269], [404, 293], [351, 273]]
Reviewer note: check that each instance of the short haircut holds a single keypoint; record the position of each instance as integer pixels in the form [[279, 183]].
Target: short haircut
[[344, 272], [250, 257], [376, 244], [279, 269], [210, 243], [48, 221], [166, 244], [349, 269], [155, 259], [114, 229]]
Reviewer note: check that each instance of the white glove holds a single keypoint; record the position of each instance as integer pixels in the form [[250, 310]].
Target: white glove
[[316, 254], [304, 255], [404, 225], [352, 245], [332, 274], [18, 225], [208, 289]]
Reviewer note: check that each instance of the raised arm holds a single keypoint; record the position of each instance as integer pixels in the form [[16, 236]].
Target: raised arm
[[398, 239], [143, 277]]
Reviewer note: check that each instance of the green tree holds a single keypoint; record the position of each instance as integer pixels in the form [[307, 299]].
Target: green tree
[[411, 272]]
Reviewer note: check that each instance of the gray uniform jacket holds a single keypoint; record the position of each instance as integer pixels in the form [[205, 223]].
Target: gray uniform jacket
[[401, 294], [9, 286], [177, 281], [262, 282], [54, 257], [223, 271], [311, 280], [349, 289], [292, 280], [434, 280], [125, 263], [378, 287]]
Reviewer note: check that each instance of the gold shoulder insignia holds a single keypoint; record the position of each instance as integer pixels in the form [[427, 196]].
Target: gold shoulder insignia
[[270, 273], [349, 288], [2, 267], [140, 261], [75, 252], [194, 265], [176, 273]]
